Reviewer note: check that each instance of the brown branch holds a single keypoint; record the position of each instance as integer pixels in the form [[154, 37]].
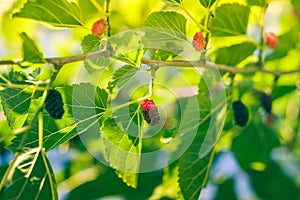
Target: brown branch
[[60, 61], [211, 65]]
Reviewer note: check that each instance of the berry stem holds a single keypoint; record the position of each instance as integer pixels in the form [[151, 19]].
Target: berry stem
[[260, 62], [99, 8], [129, 103], [192, 18], [41, 130], [107, 3]]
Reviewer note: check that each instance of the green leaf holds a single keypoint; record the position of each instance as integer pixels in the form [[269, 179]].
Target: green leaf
[[282, 90], [234, 54], [15, 104], [230, 20], [169, 187], [60, 13], [84, 107], [193, 171], [91, 43], [167, 26], [128, 47], [173, 2], [273, 183], [30, 176], [226, 189], [121, 76], [256, 2], [254, 144], [31, 51], [207, 3], [120, 152], [195, 163]]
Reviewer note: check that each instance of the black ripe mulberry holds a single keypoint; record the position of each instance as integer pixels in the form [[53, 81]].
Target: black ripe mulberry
[[54, 104], [240, 112], [150, 112]]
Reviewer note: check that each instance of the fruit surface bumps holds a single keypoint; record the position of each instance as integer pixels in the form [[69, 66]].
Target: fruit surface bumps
[[54, 104], [240, 113], [271, 40], [199, 41], [99, 27], [150, 112]]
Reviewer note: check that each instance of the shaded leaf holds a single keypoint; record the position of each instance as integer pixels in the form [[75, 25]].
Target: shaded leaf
[[254, 144], [282, 90], [30, 177], [121, 76], [207, 3], [61, 13], [272, 183], [30, 50], [226, 189], [230, 20]]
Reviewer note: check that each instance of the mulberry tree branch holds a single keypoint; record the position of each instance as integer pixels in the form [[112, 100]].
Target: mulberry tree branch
[[60, 61]]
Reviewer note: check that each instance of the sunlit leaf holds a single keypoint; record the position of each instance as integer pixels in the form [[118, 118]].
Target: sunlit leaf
[[15, 104], [30, 50], [61, 13], [256, 2], [84, 106], [128, 47], [121, 76], [30, 177], [230, 20], [91, 43], [173, 2], [234, 54], [169, 187], [193, 171], [121, 153], [167, 26]]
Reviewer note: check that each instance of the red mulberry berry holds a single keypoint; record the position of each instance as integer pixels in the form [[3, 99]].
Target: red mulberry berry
[[240, 113], [271, 39], [150, 112], [54, 104], [199, 41], [99, 27]]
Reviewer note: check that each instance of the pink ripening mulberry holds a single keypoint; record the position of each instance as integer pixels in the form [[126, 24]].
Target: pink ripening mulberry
[[99, 27], [199, 41]]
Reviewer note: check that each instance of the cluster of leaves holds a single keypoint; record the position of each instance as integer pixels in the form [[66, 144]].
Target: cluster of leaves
[[91, 107]]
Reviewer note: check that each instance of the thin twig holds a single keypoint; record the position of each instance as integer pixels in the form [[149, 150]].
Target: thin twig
[[60, 61]]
